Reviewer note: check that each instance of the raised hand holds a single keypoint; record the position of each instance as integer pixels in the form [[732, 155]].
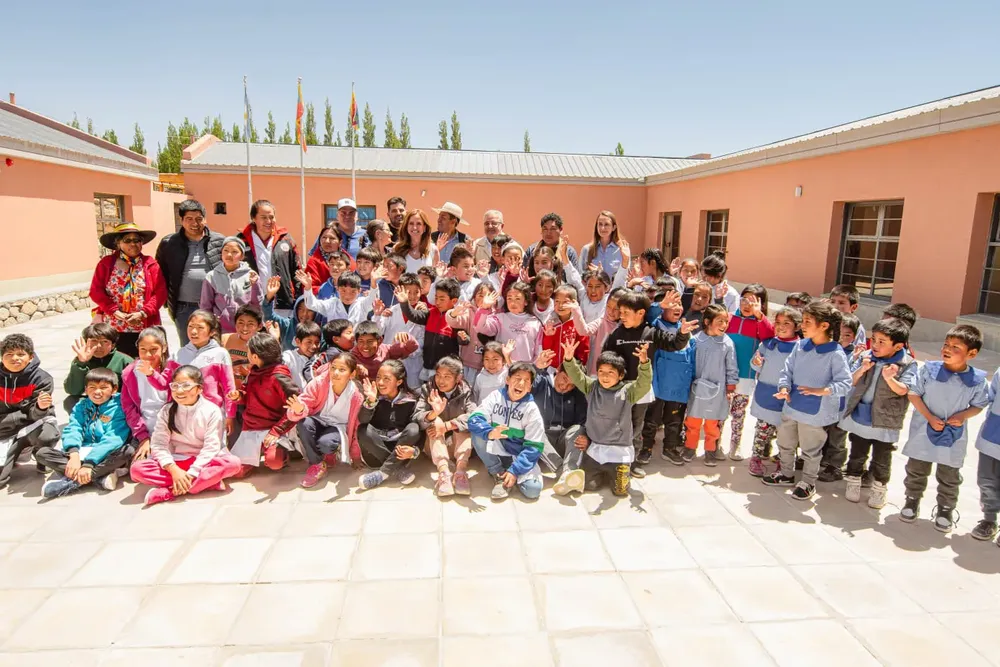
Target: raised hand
[[675, 265], [400, 294], [549, 329], [670, 299], [440, 269], [274, 329], [626, 251], [369, 390], [889, 371], [483, 268], [525, 278], [442, 240], [402, 338], [436, 401], [569, 348], [544, 359], [295, 404], [304, 280], [378, 307], [755, 306], [253, 278], [84, 350], [489, 299], [508, 347], [642, 352], [273, 285], [377, 274], [687, 326]]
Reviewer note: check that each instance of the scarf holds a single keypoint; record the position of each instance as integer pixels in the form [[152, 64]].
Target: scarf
[[129, 295]]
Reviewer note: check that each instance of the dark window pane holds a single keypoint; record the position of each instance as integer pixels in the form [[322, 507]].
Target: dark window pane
[[891, 227], [991, 257], [893, 211], [715, 228], [864, 212], [866, 267], [863, 249], [862, 228], [885, 270], [991, 303], [850, 265], [887, 250], [992, 281]]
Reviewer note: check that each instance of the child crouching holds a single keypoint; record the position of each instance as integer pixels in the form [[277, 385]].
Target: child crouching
[[508, 431], [186, 451]]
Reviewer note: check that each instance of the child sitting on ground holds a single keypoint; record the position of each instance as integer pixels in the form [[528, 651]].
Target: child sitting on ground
[[248, 321], [96, 349], [946, 394], [389, 437], [988, 472], [814, 378], [509, 435], [876, 408], [769, 362], [186, 451], [443, 407], [564, 410], [608, 431], [369, 350], [493, 376], [230, 285], [748, 328], [299, 361], [26, 415], [94, 443], [144, 388], [266, 392], [327, 412], [715, 378]]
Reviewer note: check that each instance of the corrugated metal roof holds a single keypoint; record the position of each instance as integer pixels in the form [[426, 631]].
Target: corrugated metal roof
[[27, 130], [487, 164]]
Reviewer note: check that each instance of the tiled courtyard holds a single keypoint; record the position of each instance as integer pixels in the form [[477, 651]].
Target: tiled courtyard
[[700, 567]]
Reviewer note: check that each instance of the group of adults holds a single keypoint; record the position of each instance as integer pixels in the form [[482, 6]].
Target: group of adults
[[129, 287]]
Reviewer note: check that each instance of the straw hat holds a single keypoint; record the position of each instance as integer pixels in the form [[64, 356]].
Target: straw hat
[[452, 209], [110, 239]]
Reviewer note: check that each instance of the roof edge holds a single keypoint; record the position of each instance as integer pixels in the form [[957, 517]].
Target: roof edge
[[201, 144], [27, 150]]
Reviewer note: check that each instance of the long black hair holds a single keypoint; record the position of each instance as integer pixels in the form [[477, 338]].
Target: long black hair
[[194, 375]]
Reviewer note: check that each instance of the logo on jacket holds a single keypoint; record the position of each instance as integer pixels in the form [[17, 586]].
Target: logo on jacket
[[283, 247]]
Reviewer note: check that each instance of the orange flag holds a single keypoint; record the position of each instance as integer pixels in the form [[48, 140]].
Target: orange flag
[[299, 112]]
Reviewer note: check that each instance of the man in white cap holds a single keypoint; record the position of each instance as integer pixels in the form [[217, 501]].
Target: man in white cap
[[352, 239], [447, 236]]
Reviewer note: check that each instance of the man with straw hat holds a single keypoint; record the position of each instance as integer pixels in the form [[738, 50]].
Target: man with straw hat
[[447, 236]]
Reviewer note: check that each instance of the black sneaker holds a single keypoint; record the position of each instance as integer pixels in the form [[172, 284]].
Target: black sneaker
[[831, 474], [985, 531], [777, 479], [945, 519], [637, 470], [687, 454], [673, 456], [910, 511], [803, 491], [710, 459], [800, 463], [866, 480], [39, 468], [644, 456]]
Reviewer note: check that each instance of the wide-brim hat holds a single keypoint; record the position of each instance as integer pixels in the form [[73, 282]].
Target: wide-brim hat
[[110, 239], [452, 209]]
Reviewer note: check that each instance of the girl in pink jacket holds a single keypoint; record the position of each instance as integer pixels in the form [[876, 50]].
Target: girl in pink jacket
[[206, 354], [517, 324], [145, 388]]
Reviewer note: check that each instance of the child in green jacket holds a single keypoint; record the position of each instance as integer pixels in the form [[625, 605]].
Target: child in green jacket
[[96, 349]]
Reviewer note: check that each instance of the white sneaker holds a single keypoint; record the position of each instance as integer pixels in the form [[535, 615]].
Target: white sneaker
[[110, 481], [853, 489], [569, 481], [876, 498]]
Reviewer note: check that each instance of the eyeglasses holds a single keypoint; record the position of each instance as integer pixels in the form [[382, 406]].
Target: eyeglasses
[[132, 240], [182, 386]]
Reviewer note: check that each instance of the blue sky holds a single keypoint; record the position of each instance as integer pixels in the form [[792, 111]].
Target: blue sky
[[663, 78]]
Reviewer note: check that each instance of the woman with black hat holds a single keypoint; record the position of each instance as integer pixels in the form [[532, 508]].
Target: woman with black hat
[[128, 287]]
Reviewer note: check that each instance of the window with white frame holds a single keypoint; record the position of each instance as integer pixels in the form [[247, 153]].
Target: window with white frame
[[716, 231], [989, 294], [871, 243]]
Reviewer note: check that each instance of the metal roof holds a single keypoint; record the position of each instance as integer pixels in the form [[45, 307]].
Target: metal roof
[[422, 161], [26, 133]]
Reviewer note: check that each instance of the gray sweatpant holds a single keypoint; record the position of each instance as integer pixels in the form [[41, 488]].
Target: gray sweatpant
[[808, 440], [988, 478], [949, 480]]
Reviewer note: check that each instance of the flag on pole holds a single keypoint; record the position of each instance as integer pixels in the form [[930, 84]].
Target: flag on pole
[[299, 111], [247, 114], [354, 110]]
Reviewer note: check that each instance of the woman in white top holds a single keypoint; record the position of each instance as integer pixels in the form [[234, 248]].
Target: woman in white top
[[415, 244], [605, 250]]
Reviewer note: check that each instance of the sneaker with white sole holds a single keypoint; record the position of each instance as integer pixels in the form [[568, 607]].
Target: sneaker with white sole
[[569, 481], [853, 492], [110, 481], [372, 479], [945, 518], [910, 511], [985, 531], [777, 479], [499, 490], [876, 497], [58, 485], [404, 476], [803, 491]]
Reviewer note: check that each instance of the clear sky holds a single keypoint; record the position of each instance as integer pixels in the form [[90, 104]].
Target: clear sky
[[663, 78]]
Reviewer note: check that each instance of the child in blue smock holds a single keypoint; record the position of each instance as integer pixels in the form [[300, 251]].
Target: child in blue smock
[[947, 393], [988, 473], [715, 378], [814, 379]]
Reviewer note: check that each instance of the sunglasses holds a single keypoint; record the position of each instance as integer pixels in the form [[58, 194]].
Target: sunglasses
[[132, 240]]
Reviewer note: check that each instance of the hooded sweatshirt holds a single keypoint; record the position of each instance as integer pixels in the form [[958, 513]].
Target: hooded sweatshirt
[[76, 379], [223, 292], [523, 328], [216, 369], [525, 437], [287, 325], [95, 431], [265, 393], [19, 397], [559, 411]]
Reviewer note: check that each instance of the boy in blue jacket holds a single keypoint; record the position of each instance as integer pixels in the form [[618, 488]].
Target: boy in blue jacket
[[673, 373], [94, 443], [508, 431]]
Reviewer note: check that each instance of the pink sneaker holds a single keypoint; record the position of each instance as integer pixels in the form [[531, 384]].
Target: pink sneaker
[[443, 487], [461, 482], [330, 460], [314, 473], [158, 495], [756, 466]]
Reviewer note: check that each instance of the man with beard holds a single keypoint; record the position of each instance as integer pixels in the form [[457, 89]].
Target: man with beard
[[447, 236], [397, 208]]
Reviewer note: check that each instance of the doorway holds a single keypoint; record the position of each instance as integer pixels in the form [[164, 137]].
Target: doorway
[[670, 236]]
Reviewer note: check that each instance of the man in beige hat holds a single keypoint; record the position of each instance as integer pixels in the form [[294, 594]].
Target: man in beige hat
[[447, 236]]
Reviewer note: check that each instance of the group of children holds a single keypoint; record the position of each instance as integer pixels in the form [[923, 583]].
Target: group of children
[[545, 365]]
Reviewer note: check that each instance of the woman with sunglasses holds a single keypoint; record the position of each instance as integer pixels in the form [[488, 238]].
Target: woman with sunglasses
[[187, 455], [128, 286]]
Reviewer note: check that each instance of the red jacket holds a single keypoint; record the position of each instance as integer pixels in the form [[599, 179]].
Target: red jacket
[[154, 298], [264, 399], [566, 332], [319, 270]]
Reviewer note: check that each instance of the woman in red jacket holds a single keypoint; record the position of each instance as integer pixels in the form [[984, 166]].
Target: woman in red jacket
[[128, 287], [327, 244]]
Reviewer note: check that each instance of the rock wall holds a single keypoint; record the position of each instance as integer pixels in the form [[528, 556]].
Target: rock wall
[[40, 307]]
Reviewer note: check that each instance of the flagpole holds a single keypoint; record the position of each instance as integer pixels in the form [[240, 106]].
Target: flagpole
[[302, 183], [246, 136], [354, 140]]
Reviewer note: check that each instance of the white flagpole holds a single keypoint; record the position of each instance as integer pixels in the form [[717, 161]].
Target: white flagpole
[[302, 183], [354, 140], [246, 135]]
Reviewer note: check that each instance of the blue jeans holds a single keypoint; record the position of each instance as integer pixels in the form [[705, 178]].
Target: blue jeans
[[497, 465], [181, 315]]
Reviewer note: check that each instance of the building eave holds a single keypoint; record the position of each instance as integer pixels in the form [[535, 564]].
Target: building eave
[[18, 148]]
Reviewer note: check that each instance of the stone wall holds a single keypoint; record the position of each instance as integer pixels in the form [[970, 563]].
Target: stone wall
[[40, 307]]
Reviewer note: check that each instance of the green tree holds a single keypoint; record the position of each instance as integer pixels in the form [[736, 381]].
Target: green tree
[[327, 123], [254, 138], [391, 140], [207, 126], [138, 141], [619, 150], [168, 158], [271, 130], [368, 127], [287, 137], [235, 136], [456, 132], [404, 132], [188, 134], [350, 136], [217, 129], [75, 123], [90, 127], [311, 138], [443, 135], [338, 142], [527, 142], [109, 135]]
